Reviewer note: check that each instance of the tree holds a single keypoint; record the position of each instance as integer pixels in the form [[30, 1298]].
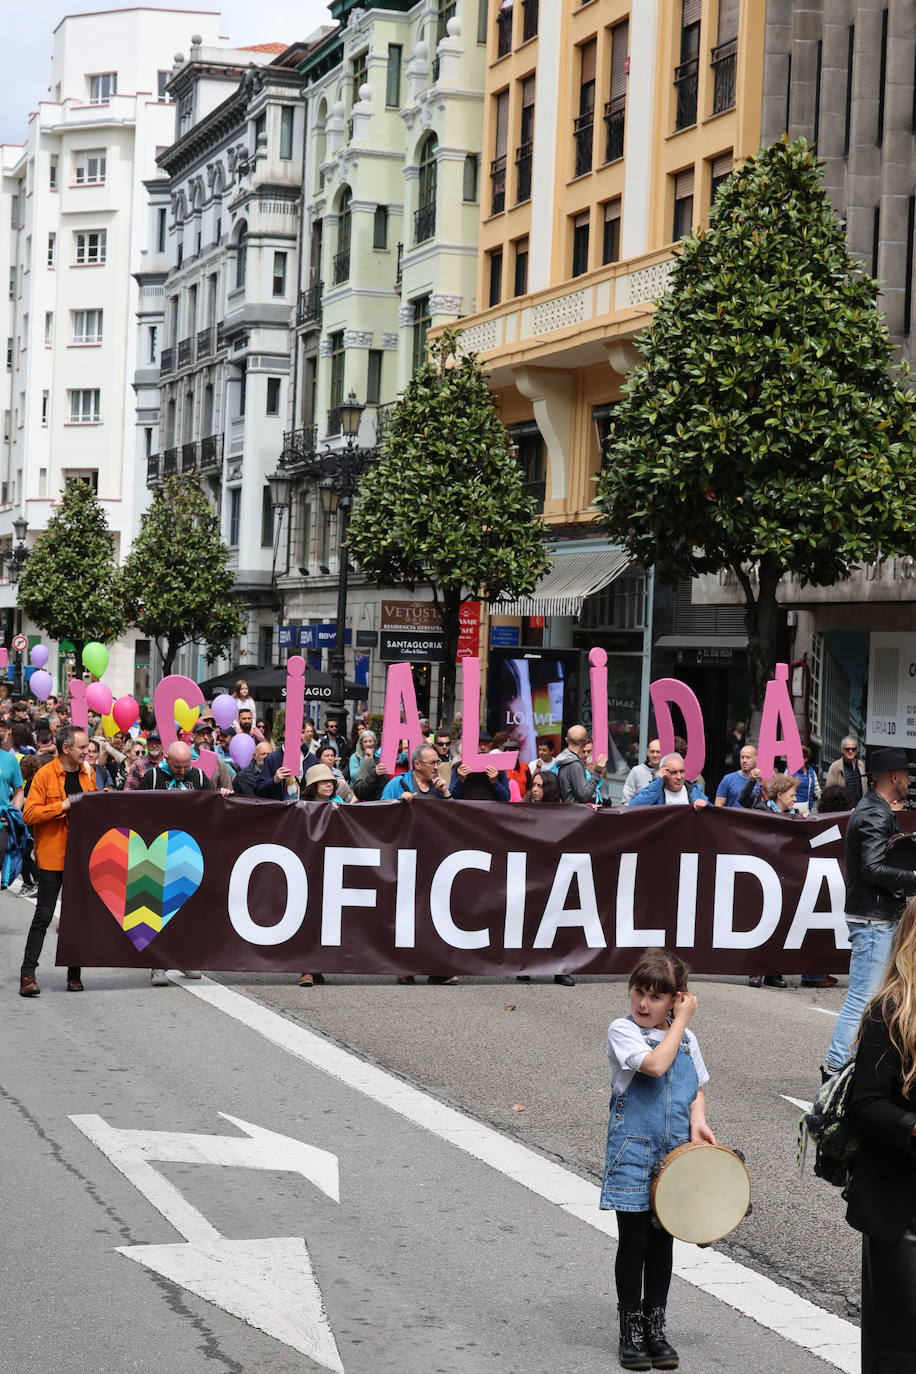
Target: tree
[[176, 580], [766, 430], [69, 585], [446, 503]]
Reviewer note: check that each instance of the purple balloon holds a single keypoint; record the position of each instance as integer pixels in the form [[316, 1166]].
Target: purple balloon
[[241, 747], [98, 698], [40, 655], [40, 683], [224, 709]]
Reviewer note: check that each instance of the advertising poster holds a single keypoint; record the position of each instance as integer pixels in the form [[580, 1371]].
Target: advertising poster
[[891, 690], [533, 693]]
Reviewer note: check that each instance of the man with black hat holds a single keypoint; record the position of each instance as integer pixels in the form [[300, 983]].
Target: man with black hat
[[876, 893]]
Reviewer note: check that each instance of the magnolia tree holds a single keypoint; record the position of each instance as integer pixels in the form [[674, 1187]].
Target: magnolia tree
[[767, 430], [445, 504], [69, 585]]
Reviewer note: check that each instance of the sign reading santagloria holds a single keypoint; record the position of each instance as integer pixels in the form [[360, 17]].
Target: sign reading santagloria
[[410, 631]]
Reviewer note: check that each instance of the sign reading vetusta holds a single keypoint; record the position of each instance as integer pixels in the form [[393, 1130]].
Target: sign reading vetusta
[[193, 879]]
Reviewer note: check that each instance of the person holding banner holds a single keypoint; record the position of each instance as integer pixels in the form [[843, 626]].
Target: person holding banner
[[671, 788]]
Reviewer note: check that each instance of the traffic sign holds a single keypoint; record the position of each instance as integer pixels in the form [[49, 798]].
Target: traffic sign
[[20, 643]]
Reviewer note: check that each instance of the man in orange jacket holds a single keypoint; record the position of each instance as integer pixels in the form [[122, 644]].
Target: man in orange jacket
[[47, 813]]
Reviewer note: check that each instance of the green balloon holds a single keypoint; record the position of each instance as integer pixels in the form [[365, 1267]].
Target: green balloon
[[95, 657]]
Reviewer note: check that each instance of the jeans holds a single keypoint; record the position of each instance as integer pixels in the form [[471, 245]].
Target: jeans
[[871, 951], [49, 885]]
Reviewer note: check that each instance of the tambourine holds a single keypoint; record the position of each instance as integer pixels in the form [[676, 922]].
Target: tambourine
[[701, 1192]]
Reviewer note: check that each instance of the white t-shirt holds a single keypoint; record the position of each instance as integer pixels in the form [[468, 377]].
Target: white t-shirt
[[626, 1049], [680, 798]]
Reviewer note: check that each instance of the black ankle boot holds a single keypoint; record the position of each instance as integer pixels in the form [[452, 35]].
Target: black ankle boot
[[663, 1355], [632, 1351]]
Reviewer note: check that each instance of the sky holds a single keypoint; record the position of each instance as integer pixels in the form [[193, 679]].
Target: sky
[[28, 28]]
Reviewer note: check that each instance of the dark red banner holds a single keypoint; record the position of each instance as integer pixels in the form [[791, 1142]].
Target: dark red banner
[[194, 880]]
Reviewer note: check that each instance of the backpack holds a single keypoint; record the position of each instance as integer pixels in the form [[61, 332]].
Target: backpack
[[829, 1125]]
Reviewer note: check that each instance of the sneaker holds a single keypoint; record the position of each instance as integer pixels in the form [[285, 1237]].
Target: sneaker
[[158, 978], [28, 890]]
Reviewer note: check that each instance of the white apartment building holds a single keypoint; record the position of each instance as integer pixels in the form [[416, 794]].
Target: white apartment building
[[74, 216]]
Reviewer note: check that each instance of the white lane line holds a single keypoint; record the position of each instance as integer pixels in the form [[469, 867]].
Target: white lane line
[[831, 1338], [824, 1011], [797, 1102]]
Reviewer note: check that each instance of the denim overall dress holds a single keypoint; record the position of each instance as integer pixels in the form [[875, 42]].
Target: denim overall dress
[[646, 1122]]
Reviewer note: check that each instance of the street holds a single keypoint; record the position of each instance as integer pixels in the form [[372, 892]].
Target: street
[[174, 1158]]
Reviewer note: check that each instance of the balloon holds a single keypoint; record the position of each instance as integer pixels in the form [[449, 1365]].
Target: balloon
[[125, 712], [241, 747], [40, 655], [110, 726], [184, 715], [224, 708], [95, 657], [98, 698], [40, 683]]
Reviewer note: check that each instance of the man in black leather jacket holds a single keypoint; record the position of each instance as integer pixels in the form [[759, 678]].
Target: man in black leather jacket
[[876, 891]]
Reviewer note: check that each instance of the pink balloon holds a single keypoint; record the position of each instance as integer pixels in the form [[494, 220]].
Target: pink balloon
[[224, 709], [40, 684], [241, 747], [125, 712], [98, 698], [40, 655]]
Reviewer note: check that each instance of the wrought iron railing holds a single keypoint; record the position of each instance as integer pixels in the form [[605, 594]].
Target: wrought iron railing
[[341, 262], [185, 352], [205, 342], [424, 222], [685, 84], [167, 362], [299, 445], [724, 64], [583, 133], [220, 336], [615, 114], [504, 32], [211, 452], [308, 304], [189, 456], [169, 461], [529, 19], [399, 268], [152, 468], [523, 172], [498, 185]]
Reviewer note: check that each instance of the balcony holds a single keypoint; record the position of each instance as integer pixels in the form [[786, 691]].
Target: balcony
[[299, 445], [583, 133], [504, 32], [341, 263], [167, 362], [529, 19], [211, 453], [424, 222], [308, 304], [334, 422], [523, 172], [498, 185], [186, 352], [152, 469], [169, 461], [399, 268], [383, 416], [205, 340], [615, 114], [686, 78], [188, 457], [724, 63], [220, 336]]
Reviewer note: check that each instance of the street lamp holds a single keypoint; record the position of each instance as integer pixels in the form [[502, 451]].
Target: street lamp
[[17, 557], [280, 484]]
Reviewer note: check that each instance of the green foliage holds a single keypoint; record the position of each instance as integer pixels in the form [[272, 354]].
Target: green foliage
[[69, 586], [445, 503], [375, 724], [767, 429], [177, 584], [278, 728]]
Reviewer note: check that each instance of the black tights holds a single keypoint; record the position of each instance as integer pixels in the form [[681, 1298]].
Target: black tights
[[644, 1260]]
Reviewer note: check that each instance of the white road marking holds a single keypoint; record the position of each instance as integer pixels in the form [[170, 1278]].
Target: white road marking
[[824, 1011], [269, 1283], [826, 837], [797, 1102], [831, 1338]]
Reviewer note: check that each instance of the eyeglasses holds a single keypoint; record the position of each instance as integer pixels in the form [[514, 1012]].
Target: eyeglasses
[[850, 748]]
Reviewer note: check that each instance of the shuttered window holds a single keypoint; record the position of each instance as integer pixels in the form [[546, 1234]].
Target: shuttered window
[[690, 13], [683, 203], [502, 124], [620, 42], [728, 20]]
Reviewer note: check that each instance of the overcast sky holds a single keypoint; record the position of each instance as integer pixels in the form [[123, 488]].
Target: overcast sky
[[27, 41]]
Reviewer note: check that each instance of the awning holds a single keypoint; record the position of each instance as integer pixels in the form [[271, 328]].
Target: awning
[[269, 684], [571, 578]]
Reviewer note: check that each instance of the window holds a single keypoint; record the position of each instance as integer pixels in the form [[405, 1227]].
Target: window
[[152, 342], [393, 77], [850, 58], [818, 72], [529, 19], [160, 231], [102, 87], [580, 244], [184, 114], [882, 80], [344, 225], [13, 281], [503, 28], [482, 20], [88, 475], [720, 170], [359, 69], [374, 377], [286, 132], [421, 323], [235, 511], [725, 57], [44, 407], [683, 204], [523, 152], [52, 244], [380, 227], [496, 276], [52, 172], [273, 396], [610, 240], [260, 128], [49, 328], [267, 518], [243, 392], [520, 282], [471, 178], [241, 256], [91, 247], [162, 80], [338, 359], [89, 167], [498, 165], [87, 326], [530, 445], [615, 111], [9, 354], [425, 218], [279, 277], [584, 123], [686, 73], [84, 407]]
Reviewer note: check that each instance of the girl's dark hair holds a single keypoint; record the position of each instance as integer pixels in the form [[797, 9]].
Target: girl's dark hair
[[834, 798], [660, 971], [551, 788]]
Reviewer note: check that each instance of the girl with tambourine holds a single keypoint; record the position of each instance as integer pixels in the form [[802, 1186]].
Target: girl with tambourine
[[657, 1104]]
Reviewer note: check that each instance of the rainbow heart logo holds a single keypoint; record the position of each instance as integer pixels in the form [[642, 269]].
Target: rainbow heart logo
[[143, 886]]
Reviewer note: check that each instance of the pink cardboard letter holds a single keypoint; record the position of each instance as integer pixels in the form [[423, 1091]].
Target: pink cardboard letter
[[777, 711], [79, 710], [399, 692], [597, 676], [470, 723], [4, 657], [175, 687], [295, 710], [668, 691]]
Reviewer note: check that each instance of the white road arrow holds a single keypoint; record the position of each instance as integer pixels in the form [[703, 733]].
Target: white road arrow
[[268, 1283]]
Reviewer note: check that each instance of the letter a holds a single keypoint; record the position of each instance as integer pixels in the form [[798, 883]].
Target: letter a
[[399, 692], [777, 711]]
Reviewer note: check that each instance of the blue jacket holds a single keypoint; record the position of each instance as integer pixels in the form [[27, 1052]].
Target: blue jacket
[[477, 787], [654, 793], [264, 785], [395, 789]]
